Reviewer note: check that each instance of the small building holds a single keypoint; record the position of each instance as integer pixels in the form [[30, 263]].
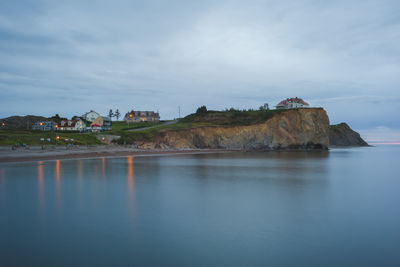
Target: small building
[[71, 125], [90, 116], [294, 102], [103, 122], [141, 116], [44, 126]]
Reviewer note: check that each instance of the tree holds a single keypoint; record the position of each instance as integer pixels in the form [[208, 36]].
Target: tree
[[117, 114], [201, 110], [57, 118], [110, 114]]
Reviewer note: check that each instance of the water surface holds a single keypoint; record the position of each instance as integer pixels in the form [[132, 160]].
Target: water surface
[[230, 209]]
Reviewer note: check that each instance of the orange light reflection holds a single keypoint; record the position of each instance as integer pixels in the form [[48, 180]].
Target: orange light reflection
[[103, 166], [41, 187], [130, 183], [57, 175]]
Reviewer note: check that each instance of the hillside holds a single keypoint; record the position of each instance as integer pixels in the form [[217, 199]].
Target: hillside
[[342, 135], [20, 122], [303, 128]]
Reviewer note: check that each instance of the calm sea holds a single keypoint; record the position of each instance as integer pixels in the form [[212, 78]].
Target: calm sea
[[336, 208]]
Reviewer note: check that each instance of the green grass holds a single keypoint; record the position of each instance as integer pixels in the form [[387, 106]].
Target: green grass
[[150, 134], [337, 127], [122, 125], [233, 117], [19, 137]]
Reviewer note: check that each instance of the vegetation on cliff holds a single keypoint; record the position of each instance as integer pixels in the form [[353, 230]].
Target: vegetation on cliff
[[231, 117]]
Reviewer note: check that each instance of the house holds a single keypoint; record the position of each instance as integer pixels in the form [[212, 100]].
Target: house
[[140, 116], [90, 116], [294, 102], [103, 122], [71, 125], [44, 126]]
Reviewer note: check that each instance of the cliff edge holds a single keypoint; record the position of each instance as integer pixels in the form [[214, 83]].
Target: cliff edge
[[342, 135], [302, 128]]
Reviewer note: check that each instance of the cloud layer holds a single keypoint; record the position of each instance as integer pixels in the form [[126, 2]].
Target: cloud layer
[[69, 57]]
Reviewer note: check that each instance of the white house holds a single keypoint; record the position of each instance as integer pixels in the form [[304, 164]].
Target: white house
[[91, 115], [294, 102]]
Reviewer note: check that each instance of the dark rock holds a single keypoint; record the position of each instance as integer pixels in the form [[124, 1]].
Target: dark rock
[[342, 135]]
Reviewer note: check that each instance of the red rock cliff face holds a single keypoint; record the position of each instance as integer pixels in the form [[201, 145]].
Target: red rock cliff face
[[304, 128]]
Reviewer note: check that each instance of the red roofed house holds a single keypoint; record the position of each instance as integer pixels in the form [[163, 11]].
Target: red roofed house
[[71, 125], [140, 116], [294, 102]]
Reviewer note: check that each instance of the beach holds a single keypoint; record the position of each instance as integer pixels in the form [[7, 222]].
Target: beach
[[34, 153]]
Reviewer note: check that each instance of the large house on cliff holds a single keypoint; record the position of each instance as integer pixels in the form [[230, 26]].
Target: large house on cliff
[[139, 116], [294, 102]]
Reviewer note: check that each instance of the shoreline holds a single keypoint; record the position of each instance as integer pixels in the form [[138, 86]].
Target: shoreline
[[35, 153], [26, 155]]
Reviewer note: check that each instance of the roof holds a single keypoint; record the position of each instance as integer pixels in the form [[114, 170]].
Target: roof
[[293, 100], [84, 115]]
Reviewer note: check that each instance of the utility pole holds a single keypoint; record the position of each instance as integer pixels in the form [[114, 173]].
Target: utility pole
[[179, 111]]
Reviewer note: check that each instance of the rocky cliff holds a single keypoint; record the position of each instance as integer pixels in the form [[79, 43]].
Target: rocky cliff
[[342, 135], [303, 128]]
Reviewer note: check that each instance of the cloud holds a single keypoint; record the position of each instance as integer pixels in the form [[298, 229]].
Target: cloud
[[381, 134], [77, 55]]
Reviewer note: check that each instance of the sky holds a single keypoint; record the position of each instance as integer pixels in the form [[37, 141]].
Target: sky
[[69, 57]]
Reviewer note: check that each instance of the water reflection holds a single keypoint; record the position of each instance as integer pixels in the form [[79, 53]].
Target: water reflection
[[130, 184], [103, 166], [3, 186], [57, 176], [41, 187], [79, 170], [288, 168]]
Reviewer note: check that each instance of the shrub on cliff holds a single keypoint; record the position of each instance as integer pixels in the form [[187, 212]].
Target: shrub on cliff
[[201, 110]]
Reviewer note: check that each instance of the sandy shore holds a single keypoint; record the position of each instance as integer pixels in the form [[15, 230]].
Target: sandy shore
[[62, 152]]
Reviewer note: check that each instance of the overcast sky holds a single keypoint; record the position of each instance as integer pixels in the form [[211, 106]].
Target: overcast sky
[[68, 57]]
